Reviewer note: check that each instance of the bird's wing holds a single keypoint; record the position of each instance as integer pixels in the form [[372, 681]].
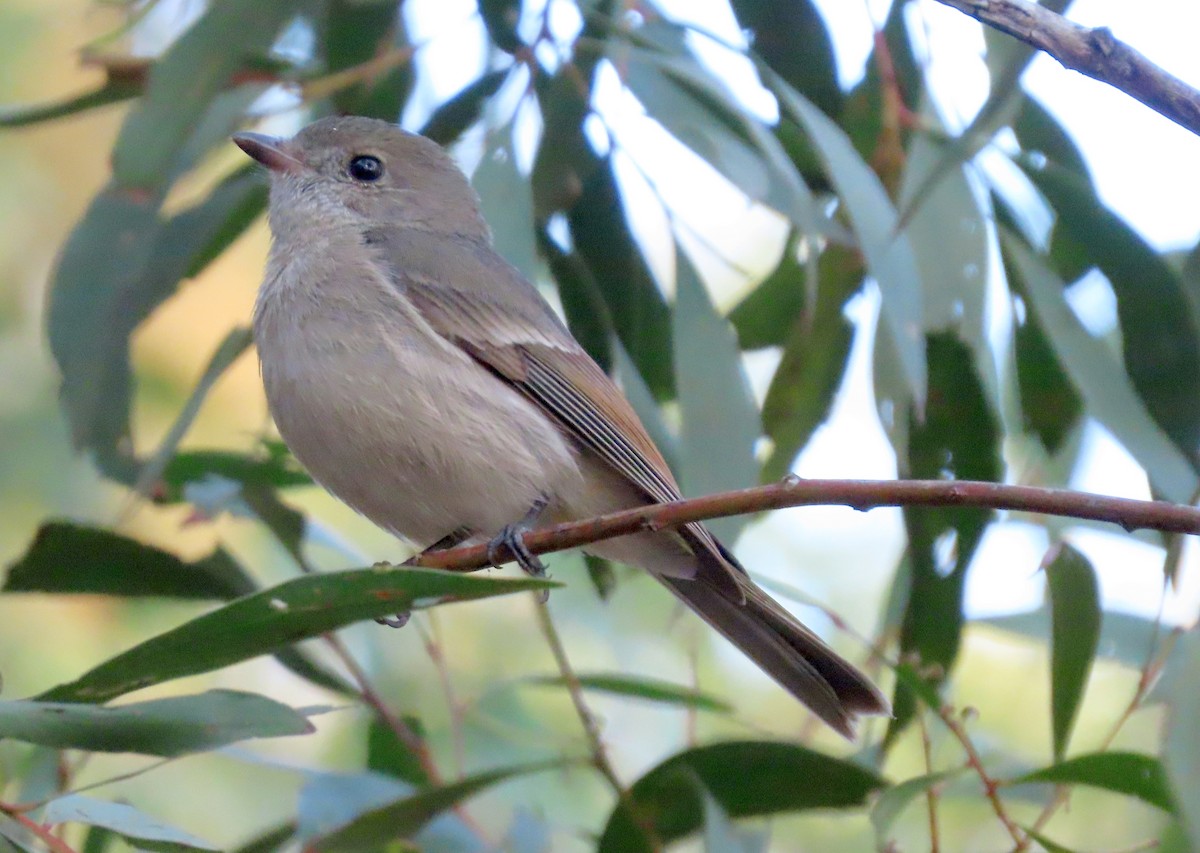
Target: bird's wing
[[472, 297]]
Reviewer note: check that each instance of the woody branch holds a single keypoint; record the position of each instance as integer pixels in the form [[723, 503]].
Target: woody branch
[[1093, 51], [862, 495]]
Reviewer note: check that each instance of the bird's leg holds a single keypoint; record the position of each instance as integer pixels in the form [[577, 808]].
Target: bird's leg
[[512, 538], [454, 537]]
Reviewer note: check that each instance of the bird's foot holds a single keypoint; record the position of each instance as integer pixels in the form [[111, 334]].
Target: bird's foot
[[454, 537], [511, 539]]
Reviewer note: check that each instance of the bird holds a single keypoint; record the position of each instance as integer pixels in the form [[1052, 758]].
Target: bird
[[425, 382]]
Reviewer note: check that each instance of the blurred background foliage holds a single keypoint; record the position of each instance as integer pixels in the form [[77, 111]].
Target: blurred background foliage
[[785, 273]]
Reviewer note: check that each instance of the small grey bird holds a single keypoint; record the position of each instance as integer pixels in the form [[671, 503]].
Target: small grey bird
[[422, 380]]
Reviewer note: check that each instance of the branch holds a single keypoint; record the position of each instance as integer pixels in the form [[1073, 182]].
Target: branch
[[1091, 51], [862, 495]]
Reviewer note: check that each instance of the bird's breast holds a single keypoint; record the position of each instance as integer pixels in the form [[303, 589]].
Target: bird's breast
[[392, 418]]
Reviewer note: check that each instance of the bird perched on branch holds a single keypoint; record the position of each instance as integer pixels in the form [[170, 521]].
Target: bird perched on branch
[[422, 380]]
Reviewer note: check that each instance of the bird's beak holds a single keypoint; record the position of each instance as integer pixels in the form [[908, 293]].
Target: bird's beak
[[271, 151]]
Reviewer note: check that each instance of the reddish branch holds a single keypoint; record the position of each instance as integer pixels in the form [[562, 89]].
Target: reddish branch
[[862, 495], [1093, 51]]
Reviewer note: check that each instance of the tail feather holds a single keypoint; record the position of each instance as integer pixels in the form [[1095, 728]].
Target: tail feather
[[786, 650]]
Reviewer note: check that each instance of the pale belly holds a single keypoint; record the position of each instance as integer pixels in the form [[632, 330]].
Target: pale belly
[[412, 433]]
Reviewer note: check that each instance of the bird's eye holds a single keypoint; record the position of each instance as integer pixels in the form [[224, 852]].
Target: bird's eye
[[366, 168]]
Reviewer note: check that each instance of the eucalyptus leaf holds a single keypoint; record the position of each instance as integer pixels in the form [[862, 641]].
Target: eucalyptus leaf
[[1128, 773], [136, 827], [266, 621], [744, 778], [650, 689], [1074, 597], [1104, 386], [168, 727], [720, 419]]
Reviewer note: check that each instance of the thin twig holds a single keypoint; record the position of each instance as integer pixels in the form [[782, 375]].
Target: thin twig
[[599, 755], [52, 841], [404, 733], [434, 647], [990, 785], [931, 794], [1093, 51], [862, 495]]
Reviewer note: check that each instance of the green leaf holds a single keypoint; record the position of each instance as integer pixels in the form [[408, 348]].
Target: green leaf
[[565, 162], [1181, 749], [269, 840], [139, 829], [638, 687], [387, 754], [697, 108], [501, 18], [275, 469], [507, 202], [404, 817], [267, 621], [1103, 384], [721, 836], [603, 575], [587, 313], [1075, 620], [186, 81], [746, 778], [71, 558], [110, 92], [791, 37], [1050, 846], [95, 303], [769, 313], [814, 360], [166, 727], [609, 249], [228, 351], [950, 241], [356, 32], [119, 264], [1160, 332], [959, 439], [892, 802], [1039, 131], [1050, 406], [1128, 773], [720, 422], [450, 120], [888, 254]]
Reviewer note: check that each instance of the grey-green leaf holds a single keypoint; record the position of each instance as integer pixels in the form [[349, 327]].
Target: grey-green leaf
[[136, 827], [184, 83], [888, 253], [402, 818], [1181, 751], [168, 727], [720, 422], [1075, 632]]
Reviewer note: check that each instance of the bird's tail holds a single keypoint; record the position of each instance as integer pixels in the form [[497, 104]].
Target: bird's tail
[[775, 640]]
